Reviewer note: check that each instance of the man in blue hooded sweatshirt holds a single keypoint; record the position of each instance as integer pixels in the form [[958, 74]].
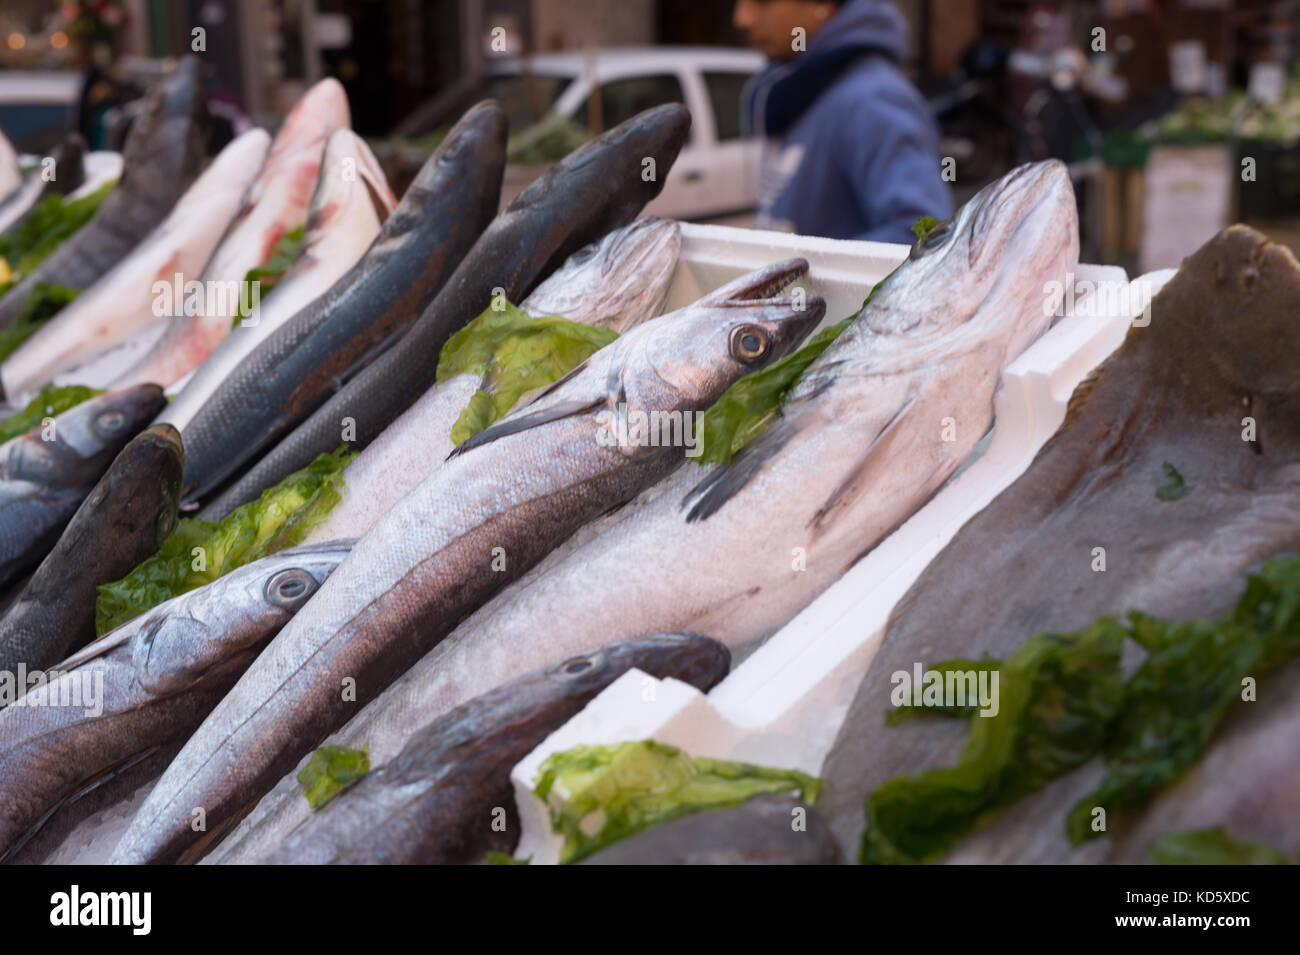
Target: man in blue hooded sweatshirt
[[852, 151]]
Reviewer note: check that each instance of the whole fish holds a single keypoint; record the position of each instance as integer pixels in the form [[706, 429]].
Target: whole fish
[[119, 307], [760, 831], [617, 283], [158, 676], [351, 203], [510, 494], [858, 448], [275, 203], [119, 524], [163, 153], [290, 373], [47, 473], [598, 187], [433, 803], [64, 175], [1174, 393]]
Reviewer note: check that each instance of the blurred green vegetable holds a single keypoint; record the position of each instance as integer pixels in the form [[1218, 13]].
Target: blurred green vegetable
[[330, 770], [198, 552]]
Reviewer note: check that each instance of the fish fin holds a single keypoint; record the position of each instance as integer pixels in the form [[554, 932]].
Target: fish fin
[[877, 451], [720, 485], [523, 422]]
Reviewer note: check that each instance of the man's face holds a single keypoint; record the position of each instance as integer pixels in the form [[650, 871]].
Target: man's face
[[770, 24]]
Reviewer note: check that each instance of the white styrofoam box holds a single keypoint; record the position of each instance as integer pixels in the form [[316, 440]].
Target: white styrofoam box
[[783, 705], [843, 272]]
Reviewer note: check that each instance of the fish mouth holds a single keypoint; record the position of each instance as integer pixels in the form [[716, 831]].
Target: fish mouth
[[758, 285], [166, 435]]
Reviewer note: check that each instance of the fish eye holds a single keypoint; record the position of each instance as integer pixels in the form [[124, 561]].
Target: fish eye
[[110, 422], [577, 665], [289, 588], [932, 240], [749, 343], [583, 254]]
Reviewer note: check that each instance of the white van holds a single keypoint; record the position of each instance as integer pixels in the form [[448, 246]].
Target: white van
[[717, 171]]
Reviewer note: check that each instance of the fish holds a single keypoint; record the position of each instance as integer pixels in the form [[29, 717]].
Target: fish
[[119, 306], [64, 175], [433, 803], [163, 154], [285, 377], [1177, 390], [47, 473], [159, 674], [760, 831], [274, 204], [351, 203], [617, 282], [857, 449], [510, 494], [597, 187], [120, 523]]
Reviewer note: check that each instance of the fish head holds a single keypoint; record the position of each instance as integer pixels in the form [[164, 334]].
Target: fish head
[[75, 448], [698, 660], [218, 627], [686, 360], [176, 103], [1002, 250], [155, 455], [616, 282], [608, 180], [351, 195], [320, 111]]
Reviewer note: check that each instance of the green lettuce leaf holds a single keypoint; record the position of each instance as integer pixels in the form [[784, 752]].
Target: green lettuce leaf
[[900, 713], [268, 275], [749, 405], [43, 302], [600, 794], [504, 858], [51, 402], [1173, 490], [330, 770], [515, 353], [1191, 678], [1148, 730], [198, 552], [1214, 847], [51, 221], [1057, 695]]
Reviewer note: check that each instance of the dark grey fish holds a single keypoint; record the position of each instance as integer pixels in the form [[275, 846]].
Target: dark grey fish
[[595, 189], [434, 802], [119, 524], [162, 155], [1175, 392], [765, 830], [47, 473], [158, 676], [287, 376]]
